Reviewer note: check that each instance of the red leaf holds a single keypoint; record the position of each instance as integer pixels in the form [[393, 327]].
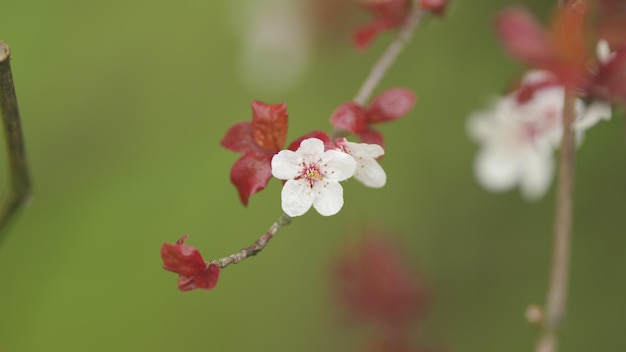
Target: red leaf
[[371, 136], [251, 173], [364, 36], [524, 38], [349, 116], [238, 138], [438, 7], [322, 136], [206, 279], [182, 259], [391, 105], [269, 125], [610, 81]]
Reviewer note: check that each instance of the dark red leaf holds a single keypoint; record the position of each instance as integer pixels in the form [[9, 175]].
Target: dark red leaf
[[322, 136], [251, 173], [349, 116], [364, 35], [391, 105], [206, 279], [182, 259], [371, 136], [610, 81], [269, 125], [238, 138], [437, 7], [524, 38]]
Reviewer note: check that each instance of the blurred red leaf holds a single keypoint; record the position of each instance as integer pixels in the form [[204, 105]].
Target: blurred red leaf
[[391, 105], [349, 116], [437, 7]]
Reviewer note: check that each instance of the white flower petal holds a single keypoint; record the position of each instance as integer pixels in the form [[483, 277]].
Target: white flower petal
[[495, 170], [297, 198], [537, 171], [328, 199], [596, 111], [340, 165], [285, 165], [311, 147], [603, 52], [370, 173]]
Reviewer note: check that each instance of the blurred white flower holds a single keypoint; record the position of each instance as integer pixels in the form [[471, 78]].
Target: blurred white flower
[[313, 177], [518, 136], [368, 171], [276, 43]]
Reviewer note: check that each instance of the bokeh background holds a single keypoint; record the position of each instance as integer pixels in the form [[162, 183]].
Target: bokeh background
[[124, 104]]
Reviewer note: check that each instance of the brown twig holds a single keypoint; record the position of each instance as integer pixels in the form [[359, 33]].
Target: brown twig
[[19, 188], [256, 247], [556, 301], [389, 56]]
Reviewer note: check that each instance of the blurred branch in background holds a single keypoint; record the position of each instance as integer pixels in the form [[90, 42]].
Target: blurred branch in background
[[19, 187]]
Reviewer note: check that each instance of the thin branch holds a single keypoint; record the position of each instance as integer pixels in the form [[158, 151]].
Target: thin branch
[[389, 56], [555, 309], [19, 188], [256, 247]]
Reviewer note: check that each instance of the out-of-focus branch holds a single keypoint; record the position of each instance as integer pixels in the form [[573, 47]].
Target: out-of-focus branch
[[389, 56], [555, 308], [19, 187]]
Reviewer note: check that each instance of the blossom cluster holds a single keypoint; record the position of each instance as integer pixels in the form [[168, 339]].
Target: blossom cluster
[[313, 165], [519, 134]]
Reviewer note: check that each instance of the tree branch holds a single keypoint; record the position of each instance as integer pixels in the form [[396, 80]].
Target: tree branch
[[19, 188], [256, 247], [557, 293], [389, 56]]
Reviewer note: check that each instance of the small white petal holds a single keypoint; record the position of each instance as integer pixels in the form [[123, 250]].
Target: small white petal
[[341, 166], [370, 173], [495, 170], [603, 52], [596, 111], [285, 165], [310, 147], [537, 170], [329, 198], [297, 198]]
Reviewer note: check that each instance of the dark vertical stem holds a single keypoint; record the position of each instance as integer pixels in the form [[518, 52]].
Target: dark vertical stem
[[19, 186]]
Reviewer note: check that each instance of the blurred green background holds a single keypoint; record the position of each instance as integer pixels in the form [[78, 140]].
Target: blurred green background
[[123, 106]]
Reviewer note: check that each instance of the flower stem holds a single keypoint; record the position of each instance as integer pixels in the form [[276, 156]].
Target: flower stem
[[19, 188], [256, 247], [555, 309], [389, 56]]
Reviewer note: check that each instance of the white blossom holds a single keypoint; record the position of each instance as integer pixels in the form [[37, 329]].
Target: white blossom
[[313, 177], [518, 138], [368, 171]]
